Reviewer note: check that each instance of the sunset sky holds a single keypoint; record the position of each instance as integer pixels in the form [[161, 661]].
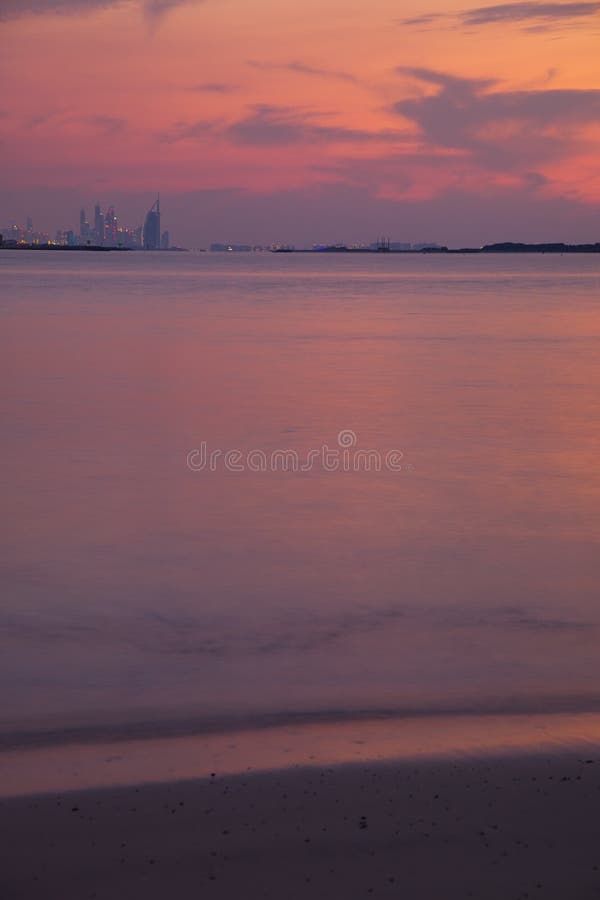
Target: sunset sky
[[325, 120]]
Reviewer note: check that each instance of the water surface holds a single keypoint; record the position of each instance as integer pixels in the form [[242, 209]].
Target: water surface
[[137, 589]]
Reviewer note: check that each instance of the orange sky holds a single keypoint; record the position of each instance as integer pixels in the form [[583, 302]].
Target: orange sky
[[404, 104]]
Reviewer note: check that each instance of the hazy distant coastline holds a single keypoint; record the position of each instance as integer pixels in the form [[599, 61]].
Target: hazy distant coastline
[[505, 247], [13, 245]]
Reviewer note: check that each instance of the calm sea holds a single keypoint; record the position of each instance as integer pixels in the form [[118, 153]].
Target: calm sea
[[454, 565]]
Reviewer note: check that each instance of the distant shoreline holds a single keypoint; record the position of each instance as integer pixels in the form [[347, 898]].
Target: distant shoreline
[[9, 246], [93, 248], [507, 247]]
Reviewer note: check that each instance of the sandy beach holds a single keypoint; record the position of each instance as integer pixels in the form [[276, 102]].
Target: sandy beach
[[492, 828]]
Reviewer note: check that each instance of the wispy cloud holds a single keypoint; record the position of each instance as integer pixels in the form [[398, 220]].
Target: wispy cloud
[[530, 14], [212, 87], [17, 9], [501, 130], [185, 131], [527, 12], [107, 124], [425, 19], [57, 119], [276, 126], [302, 68]]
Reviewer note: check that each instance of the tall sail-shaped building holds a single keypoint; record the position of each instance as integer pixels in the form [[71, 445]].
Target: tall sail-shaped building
[[152, 227]]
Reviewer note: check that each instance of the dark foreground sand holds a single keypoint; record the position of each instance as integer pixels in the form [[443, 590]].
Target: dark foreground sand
[[487, 828]]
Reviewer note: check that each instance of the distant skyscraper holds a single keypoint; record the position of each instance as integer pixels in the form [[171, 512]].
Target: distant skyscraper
[[84, 228], [111, 226], [152, 227], [98, 224], [164, 241]]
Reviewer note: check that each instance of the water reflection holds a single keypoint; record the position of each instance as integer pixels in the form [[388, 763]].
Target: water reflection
[[135, 584]]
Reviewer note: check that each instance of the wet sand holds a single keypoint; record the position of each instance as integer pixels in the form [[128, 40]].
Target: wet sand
[[491, 828]]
